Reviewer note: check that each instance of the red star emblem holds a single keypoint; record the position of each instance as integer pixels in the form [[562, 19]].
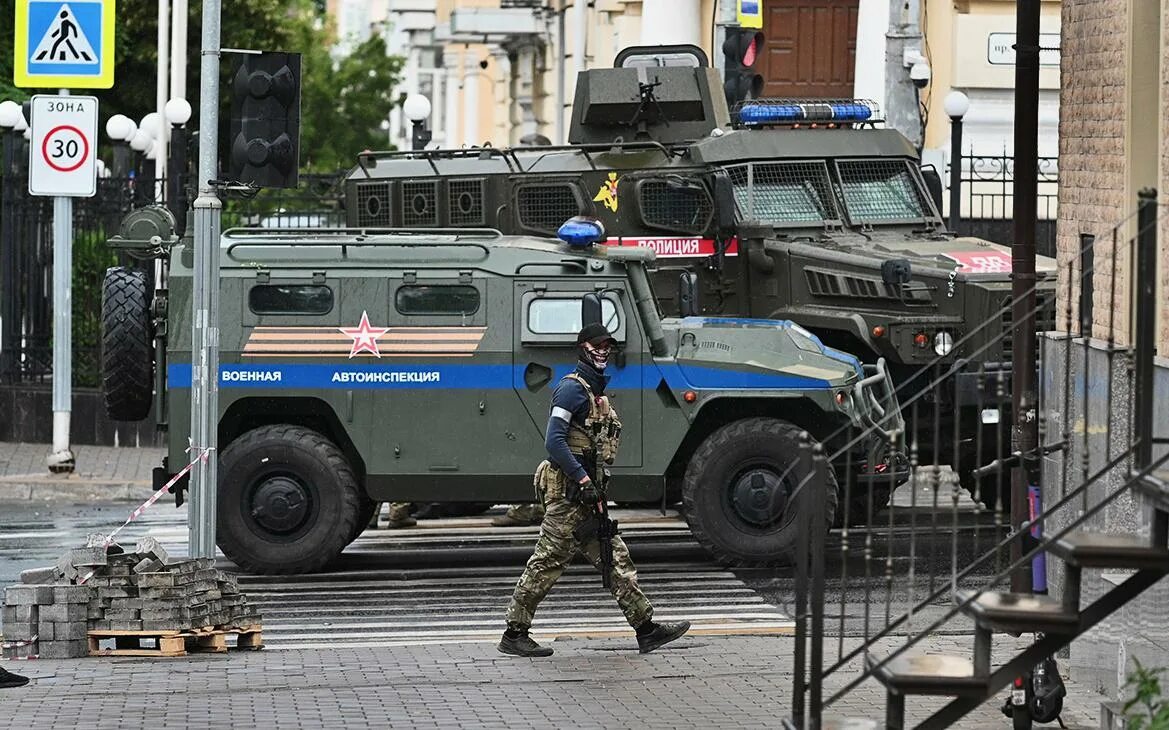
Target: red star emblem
[[364, 336]]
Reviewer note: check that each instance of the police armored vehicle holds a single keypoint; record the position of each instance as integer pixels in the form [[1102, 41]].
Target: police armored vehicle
[[785, 210], [418, 365]]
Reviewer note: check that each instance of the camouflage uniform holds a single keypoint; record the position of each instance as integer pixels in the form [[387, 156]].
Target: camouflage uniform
[[557, 545]]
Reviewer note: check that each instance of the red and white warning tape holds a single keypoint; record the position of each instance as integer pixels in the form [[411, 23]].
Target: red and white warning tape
[[17, 645], [108, 540]]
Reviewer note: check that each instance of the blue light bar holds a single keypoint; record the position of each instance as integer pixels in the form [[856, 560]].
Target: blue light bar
[[581, 231], [844, 111]]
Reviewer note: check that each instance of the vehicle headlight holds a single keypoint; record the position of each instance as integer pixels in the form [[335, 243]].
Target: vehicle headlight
[[943, 343]]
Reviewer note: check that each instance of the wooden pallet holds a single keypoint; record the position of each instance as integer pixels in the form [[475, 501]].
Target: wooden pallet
[[206, 640]]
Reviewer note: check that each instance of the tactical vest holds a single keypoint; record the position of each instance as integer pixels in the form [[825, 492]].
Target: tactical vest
[[601, 433]]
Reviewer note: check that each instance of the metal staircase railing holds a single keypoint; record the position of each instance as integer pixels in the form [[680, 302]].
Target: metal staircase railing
[[933, 560]]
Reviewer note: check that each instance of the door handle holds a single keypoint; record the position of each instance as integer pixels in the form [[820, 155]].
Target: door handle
[[536, 376]]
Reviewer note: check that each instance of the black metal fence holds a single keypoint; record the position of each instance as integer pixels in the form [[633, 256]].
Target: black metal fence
[[958, 542], [987, 198], [26, 252]]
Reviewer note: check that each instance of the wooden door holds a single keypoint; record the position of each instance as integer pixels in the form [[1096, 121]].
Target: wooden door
[[811, 48]]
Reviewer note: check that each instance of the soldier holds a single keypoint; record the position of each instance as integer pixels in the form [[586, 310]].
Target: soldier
[[519, 515], [8, 679], [399, 516], [582, 421]]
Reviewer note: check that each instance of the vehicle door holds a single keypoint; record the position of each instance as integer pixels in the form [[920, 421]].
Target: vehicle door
[[547, 319]]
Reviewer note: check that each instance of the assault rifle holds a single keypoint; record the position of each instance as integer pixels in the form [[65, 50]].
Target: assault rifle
[[599, 524]]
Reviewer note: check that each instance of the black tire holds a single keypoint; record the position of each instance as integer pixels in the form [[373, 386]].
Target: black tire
[[366, 512], [127, 339], [288, 500], [767, 451]]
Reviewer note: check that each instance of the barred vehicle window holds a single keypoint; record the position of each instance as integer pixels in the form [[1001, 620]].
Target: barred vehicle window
[[562, 316], [881, 190], [784, 192], [437, 299], [544, 207], [290, 299], [682, 205]]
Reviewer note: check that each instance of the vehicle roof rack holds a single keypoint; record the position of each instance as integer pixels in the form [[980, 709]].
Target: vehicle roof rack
[[512, 155]]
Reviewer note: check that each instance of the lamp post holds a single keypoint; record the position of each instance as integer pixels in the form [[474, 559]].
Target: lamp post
[[178, 113], [417, 109], [956, 104], [151, 124], [118, 129], [142, 176], [11, 116]]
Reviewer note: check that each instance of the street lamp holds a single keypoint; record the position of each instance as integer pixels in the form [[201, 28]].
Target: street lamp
[[956, 104], [120, 128], [417, 109], [178, 113], [11, 118]]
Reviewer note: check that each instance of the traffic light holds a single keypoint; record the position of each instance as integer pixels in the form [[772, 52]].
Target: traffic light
[[265, 120], [741, 51]]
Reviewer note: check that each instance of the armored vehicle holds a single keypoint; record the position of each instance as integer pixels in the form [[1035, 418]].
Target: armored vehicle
[[363, 365], [784, 209]]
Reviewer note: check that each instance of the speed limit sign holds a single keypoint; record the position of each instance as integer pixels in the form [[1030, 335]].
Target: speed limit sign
[[63, 153]]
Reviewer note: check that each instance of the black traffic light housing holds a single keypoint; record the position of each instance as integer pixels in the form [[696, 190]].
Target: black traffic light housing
[[265, 120], [742, 50]]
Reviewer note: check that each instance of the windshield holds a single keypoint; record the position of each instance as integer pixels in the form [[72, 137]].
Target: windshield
[[881, 190], [784, 192], [796, 194]]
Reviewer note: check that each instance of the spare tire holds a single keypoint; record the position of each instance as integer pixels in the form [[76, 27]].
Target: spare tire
[[127, 339]]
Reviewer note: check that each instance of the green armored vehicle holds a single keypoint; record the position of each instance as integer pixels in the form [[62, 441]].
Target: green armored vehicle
[[785, 210], [363, 365]]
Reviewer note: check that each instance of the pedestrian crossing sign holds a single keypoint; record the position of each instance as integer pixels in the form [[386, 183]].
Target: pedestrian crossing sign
[[64, 44]]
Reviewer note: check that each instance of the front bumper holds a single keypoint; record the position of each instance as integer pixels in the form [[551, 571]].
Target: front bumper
[[874, 403]]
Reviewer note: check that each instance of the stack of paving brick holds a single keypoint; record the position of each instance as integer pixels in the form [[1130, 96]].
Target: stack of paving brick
[[140, 591]]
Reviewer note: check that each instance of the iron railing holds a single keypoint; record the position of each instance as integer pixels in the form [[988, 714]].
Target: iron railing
[[904, 564]]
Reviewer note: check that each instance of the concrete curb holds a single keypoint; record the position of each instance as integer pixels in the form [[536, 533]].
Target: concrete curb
[[71, 488]]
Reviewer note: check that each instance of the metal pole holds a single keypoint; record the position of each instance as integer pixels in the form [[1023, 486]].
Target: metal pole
[[955, 172], [176, 195], [60, 459], [9, 325], [1146, 321], [1025, 434], [178, 49], [160, 97], [205, 301]]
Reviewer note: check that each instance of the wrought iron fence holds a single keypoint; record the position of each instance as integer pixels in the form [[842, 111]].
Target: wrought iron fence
[[931, 549], [26, 251], [987, 195]]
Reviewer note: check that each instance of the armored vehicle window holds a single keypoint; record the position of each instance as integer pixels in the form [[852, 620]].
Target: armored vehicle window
[[881, 190], [677, 205], [290, 299], [542, 208], [437, 299], [784, 192], [562, 316], [419, 203]]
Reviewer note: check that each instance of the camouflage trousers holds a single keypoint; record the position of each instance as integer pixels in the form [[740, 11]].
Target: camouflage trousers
[[555, 550], [531, 512]]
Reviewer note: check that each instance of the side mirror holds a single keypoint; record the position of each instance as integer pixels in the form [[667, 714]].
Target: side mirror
[[724, 203], [590, 310], [933, 184], [896, 271], [688, 294]]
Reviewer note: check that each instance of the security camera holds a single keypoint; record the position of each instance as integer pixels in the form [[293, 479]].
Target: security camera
[[919, 74], [483, 64]]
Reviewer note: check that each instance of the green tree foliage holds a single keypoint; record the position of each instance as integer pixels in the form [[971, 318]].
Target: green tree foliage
[[1146, 710], [343, 103]]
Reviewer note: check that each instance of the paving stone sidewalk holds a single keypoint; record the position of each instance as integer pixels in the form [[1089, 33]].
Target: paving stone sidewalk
[[102, 472], [704, 682]]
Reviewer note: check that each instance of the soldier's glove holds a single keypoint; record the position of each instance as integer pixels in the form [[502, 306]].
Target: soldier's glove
[[583, 493]]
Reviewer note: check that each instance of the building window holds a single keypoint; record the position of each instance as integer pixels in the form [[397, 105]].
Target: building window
[[437, 299], [290, 299]]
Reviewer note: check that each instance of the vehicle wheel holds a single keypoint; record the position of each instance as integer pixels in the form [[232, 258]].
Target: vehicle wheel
[[737, 489], [288, 500], [368, 508], [127, 338]]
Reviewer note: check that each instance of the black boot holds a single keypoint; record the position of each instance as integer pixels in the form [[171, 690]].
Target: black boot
[[655, 636], [8, 679], [517, 643]]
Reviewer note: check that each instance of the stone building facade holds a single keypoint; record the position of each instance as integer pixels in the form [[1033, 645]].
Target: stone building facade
[[1113, 142]]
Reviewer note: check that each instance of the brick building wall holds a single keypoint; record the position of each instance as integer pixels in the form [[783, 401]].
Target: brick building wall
[[1092, 154]]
